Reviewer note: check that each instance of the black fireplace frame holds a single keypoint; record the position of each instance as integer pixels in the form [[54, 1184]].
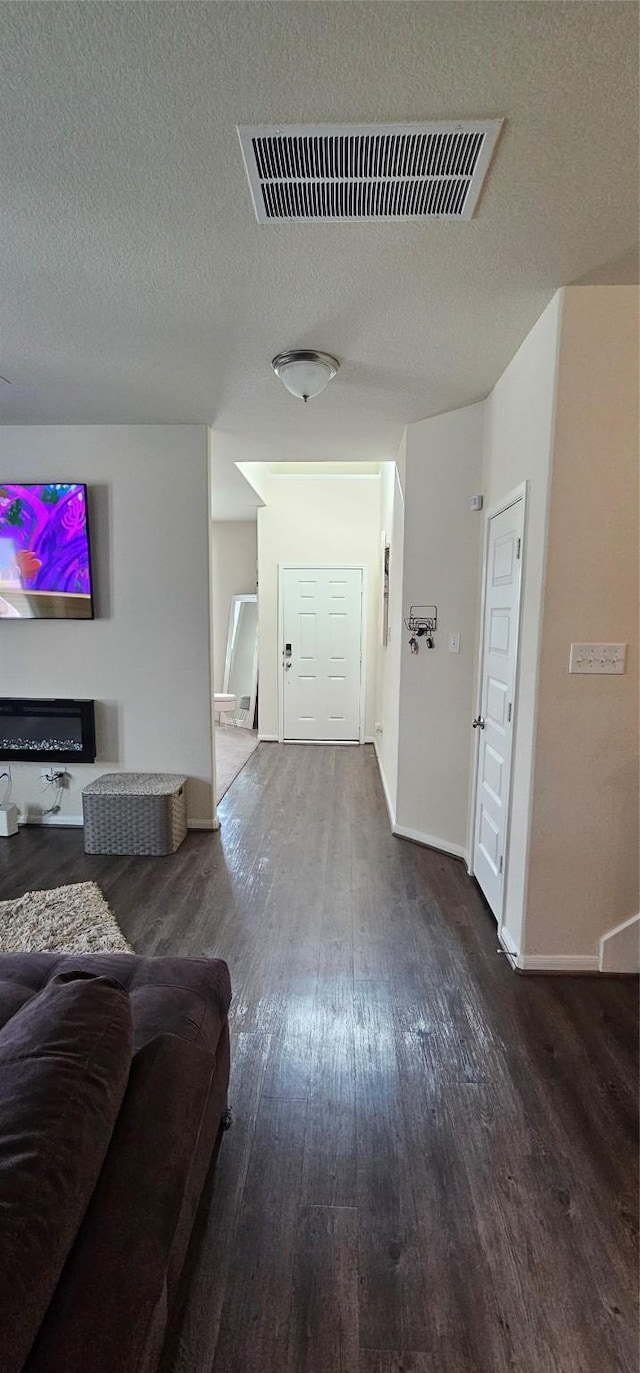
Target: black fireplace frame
[[16, 706]]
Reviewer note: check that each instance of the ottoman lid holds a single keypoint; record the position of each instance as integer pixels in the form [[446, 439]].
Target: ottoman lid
[[135, 784]]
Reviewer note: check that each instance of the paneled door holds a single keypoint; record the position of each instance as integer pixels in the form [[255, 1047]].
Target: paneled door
[[495, 722], [321, 626]]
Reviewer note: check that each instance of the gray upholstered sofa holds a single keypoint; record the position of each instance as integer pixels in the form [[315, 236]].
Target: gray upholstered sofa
[[113, 1085]]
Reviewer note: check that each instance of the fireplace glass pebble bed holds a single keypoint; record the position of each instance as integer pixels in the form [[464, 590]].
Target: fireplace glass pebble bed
[[47, 730]]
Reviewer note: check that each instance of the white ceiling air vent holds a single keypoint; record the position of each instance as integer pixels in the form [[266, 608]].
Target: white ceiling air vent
[[367, 171]]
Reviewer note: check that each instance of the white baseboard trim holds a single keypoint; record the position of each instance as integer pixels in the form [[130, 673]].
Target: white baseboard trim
[[77, 822], [545, 963], [387, 795], [619, 949], [72, 821], [557, 963], [273, 739], [575, 962], [321, 743], [431, 841]]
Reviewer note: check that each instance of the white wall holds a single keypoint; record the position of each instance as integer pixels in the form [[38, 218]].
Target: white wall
[[387, 709], [583, 869], [518, 443], [234, 556], [441, 566], [145, 658], [563, 420], [314, 520]]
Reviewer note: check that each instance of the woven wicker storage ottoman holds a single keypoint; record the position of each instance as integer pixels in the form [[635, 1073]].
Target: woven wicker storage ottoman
[[135, 812]]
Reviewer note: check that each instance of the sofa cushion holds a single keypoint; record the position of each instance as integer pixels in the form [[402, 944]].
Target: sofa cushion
[[188, 997], [65, 1058], [113, 1289]]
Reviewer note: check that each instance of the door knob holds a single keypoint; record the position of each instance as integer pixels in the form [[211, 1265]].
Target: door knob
[[478, 722]]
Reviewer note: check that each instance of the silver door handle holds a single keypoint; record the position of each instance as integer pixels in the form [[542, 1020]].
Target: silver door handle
[[478, 722], [287, 665]]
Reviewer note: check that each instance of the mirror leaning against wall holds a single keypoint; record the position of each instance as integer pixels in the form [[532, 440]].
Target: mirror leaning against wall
[[241, 665]]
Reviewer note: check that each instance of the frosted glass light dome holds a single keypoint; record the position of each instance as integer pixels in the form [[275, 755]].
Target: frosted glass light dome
[[305, 372]]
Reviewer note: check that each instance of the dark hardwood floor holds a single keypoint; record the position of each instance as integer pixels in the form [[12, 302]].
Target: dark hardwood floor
[[433, 1162]]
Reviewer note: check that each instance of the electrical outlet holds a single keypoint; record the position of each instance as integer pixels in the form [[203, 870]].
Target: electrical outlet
[[598, 658], [54, 777]]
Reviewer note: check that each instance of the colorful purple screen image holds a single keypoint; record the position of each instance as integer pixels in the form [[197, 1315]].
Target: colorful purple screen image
[[44, 551]]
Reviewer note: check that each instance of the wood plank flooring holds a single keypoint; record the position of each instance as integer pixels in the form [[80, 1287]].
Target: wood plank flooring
[[433, 1166]]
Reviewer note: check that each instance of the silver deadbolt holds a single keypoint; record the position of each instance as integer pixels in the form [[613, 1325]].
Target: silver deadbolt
[[286, 657]]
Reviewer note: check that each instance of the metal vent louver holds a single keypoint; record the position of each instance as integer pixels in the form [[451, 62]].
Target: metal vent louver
[[367, 172]]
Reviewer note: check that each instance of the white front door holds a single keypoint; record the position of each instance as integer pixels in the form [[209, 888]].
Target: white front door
[[495, 721], [321, 653]]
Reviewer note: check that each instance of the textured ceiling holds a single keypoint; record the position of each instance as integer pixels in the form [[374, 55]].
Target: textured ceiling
[[138, 286]]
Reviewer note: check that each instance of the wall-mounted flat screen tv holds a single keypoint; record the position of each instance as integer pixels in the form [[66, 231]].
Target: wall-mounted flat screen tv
[[45, 567]]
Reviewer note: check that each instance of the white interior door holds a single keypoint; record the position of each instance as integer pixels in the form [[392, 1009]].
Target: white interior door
[[321, 653], [495, 723]]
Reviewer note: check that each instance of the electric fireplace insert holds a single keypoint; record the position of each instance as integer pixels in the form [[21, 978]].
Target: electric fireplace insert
[[43, 731]]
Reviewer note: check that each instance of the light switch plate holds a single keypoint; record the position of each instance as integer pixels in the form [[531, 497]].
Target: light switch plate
[[454, 643], [598, 658]]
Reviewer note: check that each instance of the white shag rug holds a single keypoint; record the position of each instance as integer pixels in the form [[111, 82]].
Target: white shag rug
[[73, 919]]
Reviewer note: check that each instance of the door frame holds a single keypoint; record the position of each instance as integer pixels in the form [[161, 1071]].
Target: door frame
[[519, 493], [322, 567]]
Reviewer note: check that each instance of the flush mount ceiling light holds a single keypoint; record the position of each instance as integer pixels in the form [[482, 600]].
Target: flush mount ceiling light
[[305, 372]]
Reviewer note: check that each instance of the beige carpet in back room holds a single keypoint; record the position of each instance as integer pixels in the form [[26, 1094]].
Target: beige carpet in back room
[[234, 747]]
